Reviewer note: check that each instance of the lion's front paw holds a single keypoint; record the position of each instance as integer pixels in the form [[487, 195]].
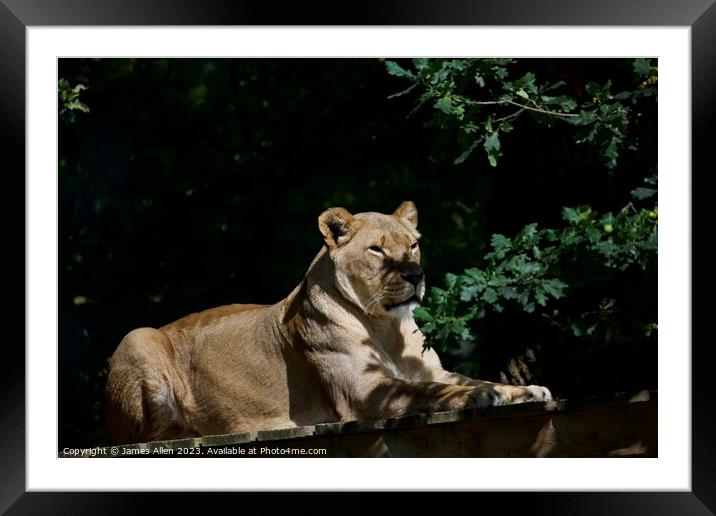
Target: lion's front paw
[[512, 394], [541, 393], [485, 396]]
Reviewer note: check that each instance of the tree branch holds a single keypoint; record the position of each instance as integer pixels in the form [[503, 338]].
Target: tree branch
[[538, 110], [521, 106], [508, 117]]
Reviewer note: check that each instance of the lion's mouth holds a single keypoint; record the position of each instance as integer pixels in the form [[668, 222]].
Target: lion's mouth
[[412, 299]]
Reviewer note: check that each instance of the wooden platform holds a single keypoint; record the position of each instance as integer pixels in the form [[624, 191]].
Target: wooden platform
[[621, 425]]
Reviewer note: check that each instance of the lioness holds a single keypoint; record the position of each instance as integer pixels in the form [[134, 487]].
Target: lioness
[[343, 345]]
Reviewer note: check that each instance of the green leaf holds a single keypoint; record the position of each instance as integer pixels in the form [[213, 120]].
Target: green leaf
[[489, 295], [498, 281], [565, 103], [528, 234], [397, 70], [466, 153], [584, 117], [469, 293], [492, 142], [554, 287], [607, 248], [554, 86], [651, 243], [571, 237], [569, 105], [492, 147], [509, 292], [465, 333], [642, 67], [642, 193], [445, 104], [592, 89], [500, 243], [607, 218], [649, 328], [593, 234], [551, 235], [420, 63], [77, 105], [428, 328], [527, 83], [421, 313], [476, 274], [521, 266], [570, 215], [499, 71], [469, 128], [451, 280]]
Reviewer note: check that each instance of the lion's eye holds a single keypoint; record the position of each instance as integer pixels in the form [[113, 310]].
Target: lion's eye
[[414, 246], [376, 249]]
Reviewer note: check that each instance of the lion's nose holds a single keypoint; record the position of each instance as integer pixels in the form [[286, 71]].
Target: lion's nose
[[413, 277]]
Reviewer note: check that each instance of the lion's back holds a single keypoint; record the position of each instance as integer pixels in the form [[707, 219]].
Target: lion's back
[[207, 317]]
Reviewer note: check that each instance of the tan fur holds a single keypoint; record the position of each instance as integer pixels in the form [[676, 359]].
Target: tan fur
[[334, 349]]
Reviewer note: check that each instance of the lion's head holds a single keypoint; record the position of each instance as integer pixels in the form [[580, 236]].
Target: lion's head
[[376, 258]]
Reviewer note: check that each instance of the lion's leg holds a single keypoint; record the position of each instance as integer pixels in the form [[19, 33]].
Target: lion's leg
[[509, 394], [392, 397], [140, 399]]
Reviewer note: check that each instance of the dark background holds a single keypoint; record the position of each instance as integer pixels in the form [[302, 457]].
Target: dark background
[[195, 183]]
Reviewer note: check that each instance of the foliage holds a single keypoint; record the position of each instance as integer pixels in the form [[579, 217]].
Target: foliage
[[592, 278], [483, 100], [527, 268], [69, 100]]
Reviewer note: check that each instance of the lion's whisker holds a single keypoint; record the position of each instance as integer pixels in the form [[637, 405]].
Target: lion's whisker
[[373, 301]]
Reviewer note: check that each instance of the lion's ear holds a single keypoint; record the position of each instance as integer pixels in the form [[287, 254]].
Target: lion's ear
[[335, 226], [408, 212]]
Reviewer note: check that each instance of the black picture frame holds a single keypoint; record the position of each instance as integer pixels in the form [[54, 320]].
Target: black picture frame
[[700, 15]]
